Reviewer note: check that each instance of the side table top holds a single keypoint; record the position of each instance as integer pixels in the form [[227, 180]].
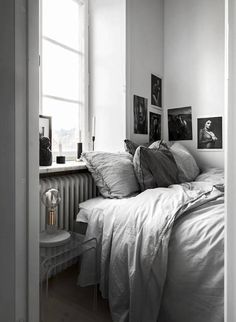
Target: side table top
[[57, 238]]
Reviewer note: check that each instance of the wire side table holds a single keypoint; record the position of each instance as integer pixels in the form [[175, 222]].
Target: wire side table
[[65, 255]]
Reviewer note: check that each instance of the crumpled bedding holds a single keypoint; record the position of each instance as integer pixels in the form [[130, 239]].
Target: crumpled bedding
[[194, 285], [160, 254]]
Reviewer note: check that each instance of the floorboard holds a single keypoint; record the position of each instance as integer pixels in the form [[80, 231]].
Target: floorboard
[[68, 302]]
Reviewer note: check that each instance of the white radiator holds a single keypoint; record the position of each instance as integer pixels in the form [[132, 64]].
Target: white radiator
[[74, 188]]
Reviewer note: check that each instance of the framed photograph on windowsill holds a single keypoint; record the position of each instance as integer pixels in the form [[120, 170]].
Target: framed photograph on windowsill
[[45, 126]]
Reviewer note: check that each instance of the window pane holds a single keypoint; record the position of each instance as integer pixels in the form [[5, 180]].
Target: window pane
[[65, 125], [60, 21], [60, 71]]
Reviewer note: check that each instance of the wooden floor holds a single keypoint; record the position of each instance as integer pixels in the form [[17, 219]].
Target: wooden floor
[[68, 302]]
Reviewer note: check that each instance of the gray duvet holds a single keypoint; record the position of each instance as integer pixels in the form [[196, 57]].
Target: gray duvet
[[161, 253]]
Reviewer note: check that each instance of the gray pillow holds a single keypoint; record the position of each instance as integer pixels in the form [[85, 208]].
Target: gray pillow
[[113, 173], [155, 168], [186, 164]]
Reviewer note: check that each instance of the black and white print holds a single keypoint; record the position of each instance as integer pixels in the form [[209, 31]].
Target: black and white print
[[156, 96], [180, 123], [45, 126], [140, 115], [209, 133], [154, 127]]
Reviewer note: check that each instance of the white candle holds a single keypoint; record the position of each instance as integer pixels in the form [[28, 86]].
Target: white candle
[[60, 148], [93, 126], [79, 136]]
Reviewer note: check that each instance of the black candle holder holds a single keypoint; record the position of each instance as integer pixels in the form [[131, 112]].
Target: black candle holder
[[61, 159], [93, 140], [79, 149]]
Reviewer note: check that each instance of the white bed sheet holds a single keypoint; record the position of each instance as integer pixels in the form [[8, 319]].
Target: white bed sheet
[[185, 246], [194, 286], [88, 207]]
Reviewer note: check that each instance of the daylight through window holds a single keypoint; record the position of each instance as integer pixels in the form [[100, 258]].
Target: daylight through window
[[63, 71]]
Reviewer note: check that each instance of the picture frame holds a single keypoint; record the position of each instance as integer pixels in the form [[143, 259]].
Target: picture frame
[[156, 91], [180, 123], [45, 126], [210, 133], [140, 109], [154, 126]]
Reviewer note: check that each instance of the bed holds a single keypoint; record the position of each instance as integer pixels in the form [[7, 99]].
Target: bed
[[160, 253]]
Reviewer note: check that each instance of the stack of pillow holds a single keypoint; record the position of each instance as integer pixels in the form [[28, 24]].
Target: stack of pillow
[[119, 175]]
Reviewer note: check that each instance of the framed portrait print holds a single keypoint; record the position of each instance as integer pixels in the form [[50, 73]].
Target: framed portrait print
[[209, 133], [154, 127], [140, 115], [156, 91]]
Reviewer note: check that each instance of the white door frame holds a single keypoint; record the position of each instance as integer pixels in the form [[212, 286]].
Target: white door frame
[[33, 161], [230, 158]]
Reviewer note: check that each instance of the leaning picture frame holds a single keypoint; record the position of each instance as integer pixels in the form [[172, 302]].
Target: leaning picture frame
[[45, 126]]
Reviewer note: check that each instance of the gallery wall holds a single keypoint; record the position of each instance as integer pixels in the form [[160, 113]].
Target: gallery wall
[[194, 66], [144, 23], [107, 24], [180, 41]]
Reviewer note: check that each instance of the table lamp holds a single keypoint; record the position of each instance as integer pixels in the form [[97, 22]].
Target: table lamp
[[52, 236]]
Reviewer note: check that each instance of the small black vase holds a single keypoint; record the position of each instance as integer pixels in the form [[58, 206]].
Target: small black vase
[[45, 154]]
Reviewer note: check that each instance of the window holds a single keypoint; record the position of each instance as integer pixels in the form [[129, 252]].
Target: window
[[63, 71]]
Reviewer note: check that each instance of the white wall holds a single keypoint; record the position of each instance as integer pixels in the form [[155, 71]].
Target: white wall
[[230, 236], [107, 72], [194, 65], [144, 54]]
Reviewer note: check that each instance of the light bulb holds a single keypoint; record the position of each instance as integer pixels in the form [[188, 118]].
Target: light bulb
[[51, 198]]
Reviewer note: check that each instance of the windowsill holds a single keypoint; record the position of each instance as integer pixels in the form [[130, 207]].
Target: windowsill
[[69, 166]]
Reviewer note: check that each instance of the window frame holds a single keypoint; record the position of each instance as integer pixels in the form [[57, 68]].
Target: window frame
[[83, 76]]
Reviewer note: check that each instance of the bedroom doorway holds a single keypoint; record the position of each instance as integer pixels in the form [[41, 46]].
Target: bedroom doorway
[[33, 225]]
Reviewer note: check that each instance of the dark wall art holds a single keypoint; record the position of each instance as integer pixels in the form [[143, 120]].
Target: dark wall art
[[156, 95], [45, 126], [140, 115], [154, 127], [209, 133], [45, 139], [180, 123]]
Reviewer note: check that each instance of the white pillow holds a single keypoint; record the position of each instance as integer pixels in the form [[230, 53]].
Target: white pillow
[[86, 207], [113, 173], [186, 164], [160, 145], [155, 145]]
